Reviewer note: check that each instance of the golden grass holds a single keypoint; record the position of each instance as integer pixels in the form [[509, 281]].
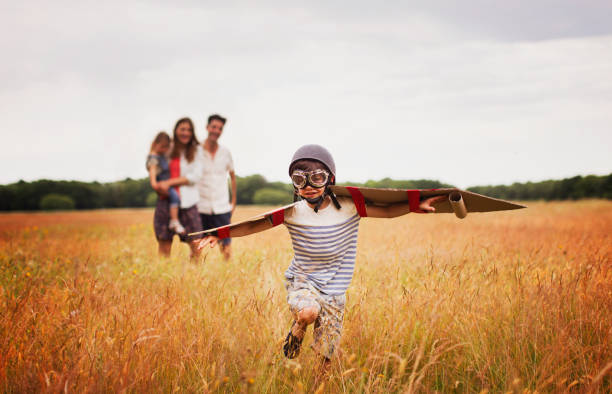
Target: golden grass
[[497, 302]]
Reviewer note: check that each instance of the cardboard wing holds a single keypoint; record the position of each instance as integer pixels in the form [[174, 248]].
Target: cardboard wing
[[275, 217], [459, 202]]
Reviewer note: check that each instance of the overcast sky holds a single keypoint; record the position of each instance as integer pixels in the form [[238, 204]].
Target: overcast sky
[[470, 93]]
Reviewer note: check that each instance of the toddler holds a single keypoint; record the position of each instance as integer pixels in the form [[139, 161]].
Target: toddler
[[159, 170]]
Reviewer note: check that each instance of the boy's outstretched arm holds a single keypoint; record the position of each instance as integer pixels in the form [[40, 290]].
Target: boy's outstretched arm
[[402, 208], [240, 231]]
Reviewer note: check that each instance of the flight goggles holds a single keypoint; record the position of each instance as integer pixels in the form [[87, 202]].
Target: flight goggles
[[316, 178]]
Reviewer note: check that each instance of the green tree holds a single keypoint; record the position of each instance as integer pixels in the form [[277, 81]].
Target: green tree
[[151, 199], [53, 202], [247, 186], [389, 183], [269, 196], [137, 192]]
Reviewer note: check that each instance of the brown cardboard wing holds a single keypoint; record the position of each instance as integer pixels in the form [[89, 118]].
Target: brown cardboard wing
[[460, 202], [275, 216]]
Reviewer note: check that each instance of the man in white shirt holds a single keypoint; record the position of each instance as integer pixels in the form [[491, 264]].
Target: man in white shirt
[[214, 206]]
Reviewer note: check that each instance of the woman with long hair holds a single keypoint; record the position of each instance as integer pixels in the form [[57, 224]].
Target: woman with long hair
[[186, 161]]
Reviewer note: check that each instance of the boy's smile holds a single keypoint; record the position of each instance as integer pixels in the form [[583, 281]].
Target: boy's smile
[[310, 192]]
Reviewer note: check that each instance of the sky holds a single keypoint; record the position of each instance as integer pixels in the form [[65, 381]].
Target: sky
[[470, 93]]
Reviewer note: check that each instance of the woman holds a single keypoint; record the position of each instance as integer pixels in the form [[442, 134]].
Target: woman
[[186, 169]]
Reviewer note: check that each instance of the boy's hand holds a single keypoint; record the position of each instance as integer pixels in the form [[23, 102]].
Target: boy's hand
[[210, 240], [426, 205]]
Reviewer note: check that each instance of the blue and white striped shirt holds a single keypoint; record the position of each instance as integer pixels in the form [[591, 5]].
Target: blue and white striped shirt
[[324, 245]]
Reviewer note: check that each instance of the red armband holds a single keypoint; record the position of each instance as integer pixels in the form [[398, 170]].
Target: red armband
[[278, 217], [358, 200], [223, 232], [414, 200]]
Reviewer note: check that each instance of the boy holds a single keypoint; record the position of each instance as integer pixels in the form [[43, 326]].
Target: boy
[[323, 231]]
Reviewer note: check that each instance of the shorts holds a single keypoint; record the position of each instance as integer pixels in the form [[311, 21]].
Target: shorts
[[217, 220], [188, 217], [328, 326]]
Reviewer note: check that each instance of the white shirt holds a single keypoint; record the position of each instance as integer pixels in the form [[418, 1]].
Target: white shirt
[[193, 172], [324, 245], [213, 188]]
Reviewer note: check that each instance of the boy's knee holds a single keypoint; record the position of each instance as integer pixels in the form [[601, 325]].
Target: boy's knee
[[308, 315]]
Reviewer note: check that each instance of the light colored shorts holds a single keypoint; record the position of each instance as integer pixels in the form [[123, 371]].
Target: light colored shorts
[[328, 326]]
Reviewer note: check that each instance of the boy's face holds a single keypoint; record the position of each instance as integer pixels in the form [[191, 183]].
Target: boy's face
[[310, 167], [311, 192]]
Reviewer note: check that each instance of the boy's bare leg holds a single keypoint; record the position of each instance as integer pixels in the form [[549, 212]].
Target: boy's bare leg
[[304, 317]]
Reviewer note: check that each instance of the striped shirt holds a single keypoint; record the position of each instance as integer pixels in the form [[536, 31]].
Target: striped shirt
[[324, 245]]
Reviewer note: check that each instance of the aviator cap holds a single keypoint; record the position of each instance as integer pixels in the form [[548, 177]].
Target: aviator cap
[[314, 152]]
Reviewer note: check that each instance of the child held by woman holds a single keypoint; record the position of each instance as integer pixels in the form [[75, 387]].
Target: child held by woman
[[159, 170]]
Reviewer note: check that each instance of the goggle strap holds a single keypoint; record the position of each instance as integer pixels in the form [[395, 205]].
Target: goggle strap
[[333, 198], [321, 199]]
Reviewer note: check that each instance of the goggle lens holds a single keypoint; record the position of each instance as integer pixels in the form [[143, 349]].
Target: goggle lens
[[318, 179], [299, 180]]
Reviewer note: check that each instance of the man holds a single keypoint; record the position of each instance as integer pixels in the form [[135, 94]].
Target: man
[[214, 205]]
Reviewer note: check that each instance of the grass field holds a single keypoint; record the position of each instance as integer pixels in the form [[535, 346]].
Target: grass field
[[496, 302]]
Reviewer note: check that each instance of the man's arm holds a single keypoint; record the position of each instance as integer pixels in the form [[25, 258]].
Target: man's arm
[[233, 178], [402, 208]]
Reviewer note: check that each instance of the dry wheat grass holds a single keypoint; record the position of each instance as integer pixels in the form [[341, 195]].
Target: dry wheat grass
[[508, 301]]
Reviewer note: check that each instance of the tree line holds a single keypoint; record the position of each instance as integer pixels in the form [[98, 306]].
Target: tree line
[[575, 188], [255, 189]]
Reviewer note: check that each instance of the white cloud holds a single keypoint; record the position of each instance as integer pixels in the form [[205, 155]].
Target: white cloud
[[402, 94]]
